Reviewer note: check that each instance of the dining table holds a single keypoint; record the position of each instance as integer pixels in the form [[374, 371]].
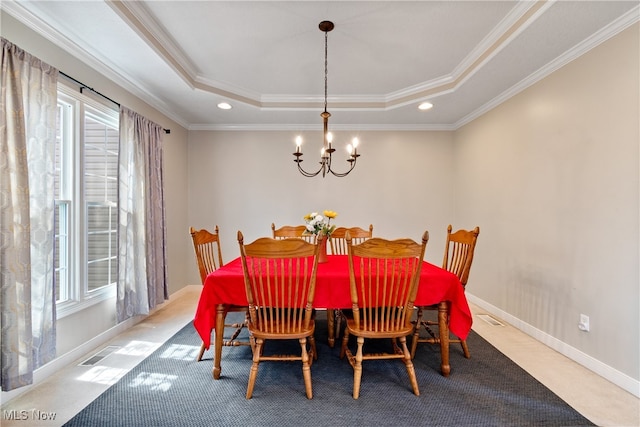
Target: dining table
[[225, 287]]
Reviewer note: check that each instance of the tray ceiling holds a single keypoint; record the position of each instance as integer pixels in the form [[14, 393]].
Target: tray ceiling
[[266, 58]]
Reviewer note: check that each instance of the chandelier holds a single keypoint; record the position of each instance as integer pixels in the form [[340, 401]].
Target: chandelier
[[327, 148]]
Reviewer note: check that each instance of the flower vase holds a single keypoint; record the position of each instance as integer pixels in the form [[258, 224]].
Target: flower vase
[[322, 254]]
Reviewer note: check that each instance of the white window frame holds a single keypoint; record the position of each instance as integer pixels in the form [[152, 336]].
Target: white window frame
[[75, 291]]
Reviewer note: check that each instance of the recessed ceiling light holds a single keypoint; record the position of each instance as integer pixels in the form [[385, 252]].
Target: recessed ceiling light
[[425, 106], [224, 106]]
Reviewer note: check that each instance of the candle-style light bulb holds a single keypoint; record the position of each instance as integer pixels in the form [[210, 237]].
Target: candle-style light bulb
[[328, 140], [349, 149], [355, 143], [298, 143]]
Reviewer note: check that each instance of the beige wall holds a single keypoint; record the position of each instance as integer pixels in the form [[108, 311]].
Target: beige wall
[[247, 180], [551, 176]]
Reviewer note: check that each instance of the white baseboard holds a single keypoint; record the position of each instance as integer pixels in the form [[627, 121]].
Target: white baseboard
[[60, 362], [618, 378]]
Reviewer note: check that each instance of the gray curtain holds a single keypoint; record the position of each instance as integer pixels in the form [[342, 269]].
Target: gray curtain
[[142, 271], [27, 143]]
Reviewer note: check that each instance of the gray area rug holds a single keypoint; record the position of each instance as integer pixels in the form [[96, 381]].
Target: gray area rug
[[170, 388]]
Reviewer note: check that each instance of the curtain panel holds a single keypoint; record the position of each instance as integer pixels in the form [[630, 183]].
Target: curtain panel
[[142, 272], [27, 142]]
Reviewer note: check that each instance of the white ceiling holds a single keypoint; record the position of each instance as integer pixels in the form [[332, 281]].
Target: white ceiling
[[266, 58]]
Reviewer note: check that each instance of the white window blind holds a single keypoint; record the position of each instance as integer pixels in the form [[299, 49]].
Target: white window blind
[[86, 185]]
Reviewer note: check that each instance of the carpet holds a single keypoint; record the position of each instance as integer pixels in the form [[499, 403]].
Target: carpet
[[169, 388]]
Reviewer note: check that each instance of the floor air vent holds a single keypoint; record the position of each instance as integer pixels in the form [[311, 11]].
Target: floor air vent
[[490, 320], [99, 355]]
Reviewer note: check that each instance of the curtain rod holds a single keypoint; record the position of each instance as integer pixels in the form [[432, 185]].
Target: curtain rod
[[84, 86]]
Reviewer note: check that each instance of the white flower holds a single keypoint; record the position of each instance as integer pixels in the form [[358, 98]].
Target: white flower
[[320, 224]]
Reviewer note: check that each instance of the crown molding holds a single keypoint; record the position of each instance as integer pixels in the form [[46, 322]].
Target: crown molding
[[611, 30], [140, 21], [314, 127], [117, 76]]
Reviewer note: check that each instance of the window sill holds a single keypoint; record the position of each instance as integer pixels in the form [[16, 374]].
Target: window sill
[[67, 308]]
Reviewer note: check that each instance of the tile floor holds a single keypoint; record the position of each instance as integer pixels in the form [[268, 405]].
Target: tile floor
[[65, 393]]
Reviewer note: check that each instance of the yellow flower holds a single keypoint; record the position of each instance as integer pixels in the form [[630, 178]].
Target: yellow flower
[[330, 214]]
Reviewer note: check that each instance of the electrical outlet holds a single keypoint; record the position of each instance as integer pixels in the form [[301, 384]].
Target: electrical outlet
[[584, 323]]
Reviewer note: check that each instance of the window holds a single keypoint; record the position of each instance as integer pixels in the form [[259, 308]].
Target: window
[[86, 185]]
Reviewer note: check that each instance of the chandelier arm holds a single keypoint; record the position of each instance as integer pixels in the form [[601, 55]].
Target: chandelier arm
[[322, 168], [343, 174], [308, 174]]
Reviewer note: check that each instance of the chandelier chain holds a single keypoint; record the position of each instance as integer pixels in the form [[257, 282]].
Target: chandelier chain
[[326, 50]]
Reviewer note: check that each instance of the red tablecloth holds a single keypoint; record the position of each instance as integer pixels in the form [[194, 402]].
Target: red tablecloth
[[226, 286]]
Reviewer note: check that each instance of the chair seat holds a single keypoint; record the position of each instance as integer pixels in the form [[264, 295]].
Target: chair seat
[[353, 330], [279, 328], [237, 308]]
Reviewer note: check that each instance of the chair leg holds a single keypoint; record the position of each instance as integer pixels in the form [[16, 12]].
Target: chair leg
[[465, 349], [345, 341], [357, 369], [201, 352], [253, 373], [314, 352], [416, 333], [338, 321], [331, 317], [252, 343], [306, 368], [409, 365]]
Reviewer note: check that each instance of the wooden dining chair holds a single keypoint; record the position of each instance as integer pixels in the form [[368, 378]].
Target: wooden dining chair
[[338, 244], [292, 231], [383, 277], [458, 256], [280, 280], [206, 246], [338, 241]]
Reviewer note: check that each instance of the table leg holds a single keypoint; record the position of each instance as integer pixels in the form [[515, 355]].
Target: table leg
[[331, 317], [443, 325], [219, 336]]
